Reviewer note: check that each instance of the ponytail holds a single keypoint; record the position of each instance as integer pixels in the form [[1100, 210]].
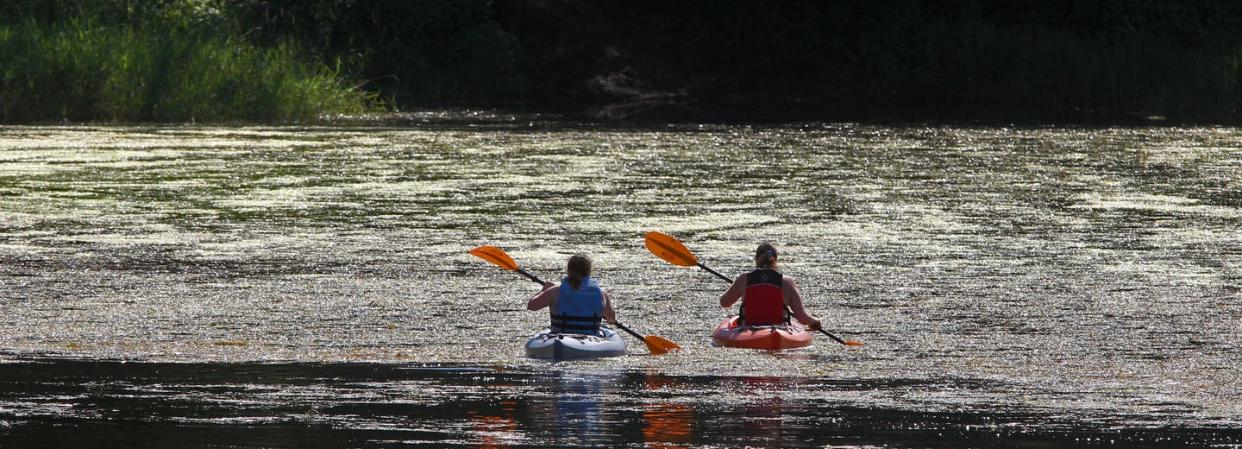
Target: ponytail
[[765, 255], [578, 268]]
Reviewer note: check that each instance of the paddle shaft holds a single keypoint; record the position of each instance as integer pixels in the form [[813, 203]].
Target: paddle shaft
[[721, 276], [709, 270], [531, 276], [631, 331], [834, 337]]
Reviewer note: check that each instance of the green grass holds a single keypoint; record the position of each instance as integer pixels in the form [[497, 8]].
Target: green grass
[[79, 71]]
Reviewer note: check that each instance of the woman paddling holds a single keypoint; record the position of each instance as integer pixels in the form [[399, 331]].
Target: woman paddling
[[577, 304], [766, 294]]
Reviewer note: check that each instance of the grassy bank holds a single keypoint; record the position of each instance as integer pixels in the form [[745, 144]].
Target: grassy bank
[[80, 70]]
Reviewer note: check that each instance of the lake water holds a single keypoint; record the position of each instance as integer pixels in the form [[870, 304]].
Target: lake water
[[193, 286]]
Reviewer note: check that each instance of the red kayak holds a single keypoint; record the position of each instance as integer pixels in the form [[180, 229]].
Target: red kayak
[[769, 337]]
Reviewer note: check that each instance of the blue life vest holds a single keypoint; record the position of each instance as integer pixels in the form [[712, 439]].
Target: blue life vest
[[578, 310]]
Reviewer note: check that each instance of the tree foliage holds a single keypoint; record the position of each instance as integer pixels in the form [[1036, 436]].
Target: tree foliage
[[733, 59]]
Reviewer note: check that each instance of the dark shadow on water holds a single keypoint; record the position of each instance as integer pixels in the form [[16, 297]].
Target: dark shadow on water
[[71, 403]]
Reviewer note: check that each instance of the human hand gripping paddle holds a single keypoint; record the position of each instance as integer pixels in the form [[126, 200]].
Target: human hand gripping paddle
[[656, 344], [673, 251]]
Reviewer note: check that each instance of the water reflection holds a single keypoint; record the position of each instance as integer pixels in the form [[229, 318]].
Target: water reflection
[[572, 413], [666, 425], [498, 430], [760, 418], [63, 403]]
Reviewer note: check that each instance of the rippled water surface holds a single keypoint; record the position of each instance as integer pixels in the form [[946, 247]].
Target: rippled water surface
[[310, 286]]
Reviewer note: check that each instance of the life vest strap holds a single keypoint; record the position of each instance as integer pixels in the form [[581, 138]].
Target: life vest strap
[[570, 322]]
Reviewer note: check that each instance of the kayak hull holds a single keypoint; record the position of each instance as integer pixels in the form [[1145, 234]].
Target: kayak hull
[[553, 346], [772, 338]]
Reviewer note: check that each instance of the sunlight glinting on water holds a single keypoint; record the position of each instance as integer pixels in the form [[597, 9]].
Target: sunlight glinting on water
[[1081, 270]]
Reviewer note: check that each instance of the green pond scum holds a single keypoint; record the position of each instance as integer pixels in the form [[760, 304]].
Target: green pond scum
[[281, 286]]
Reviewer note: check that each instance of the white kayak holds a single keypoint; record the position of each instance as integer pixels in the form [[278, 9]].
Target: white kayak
[[554, 346]]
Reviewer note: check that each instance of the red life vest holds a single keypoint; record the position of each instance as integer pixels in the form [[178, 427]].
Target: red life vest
[[763, 302]]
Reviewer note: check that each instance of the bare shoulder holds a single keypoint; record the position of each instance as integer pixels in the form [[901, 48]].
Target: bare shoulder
[[788, 281]]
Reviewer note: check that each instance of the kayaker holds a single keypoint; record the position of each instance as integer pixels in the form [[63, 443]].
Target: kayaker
[[766, 293], [577, 304]]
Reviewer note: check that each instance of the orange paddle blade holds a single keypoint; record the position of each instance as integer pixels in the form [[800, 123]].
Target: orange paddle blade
[[670, 249], [659, 345], [853, 343], [496, 256]]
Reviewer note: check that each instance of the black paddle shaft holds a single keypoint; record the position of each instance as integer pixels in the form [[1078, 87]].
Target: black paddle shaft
[[531, 276], [709, 270], [635, 334], [834, 337]]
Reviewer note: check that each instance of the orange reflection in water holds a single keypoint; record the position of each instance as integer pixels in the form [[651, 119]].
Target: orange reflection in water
[[666, 426], [495, 431]]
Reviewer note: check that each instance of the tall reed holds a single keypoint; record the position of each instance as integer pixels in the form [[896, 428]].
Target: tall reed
[[78, 70]]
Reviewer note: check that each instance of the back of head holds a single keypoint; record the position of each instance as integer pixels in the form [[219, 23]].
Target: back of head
[[578, 268], [765, 256]]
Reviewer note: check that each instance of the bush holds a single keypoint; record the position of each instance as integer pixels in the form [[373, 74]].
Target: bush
[[78, 69]]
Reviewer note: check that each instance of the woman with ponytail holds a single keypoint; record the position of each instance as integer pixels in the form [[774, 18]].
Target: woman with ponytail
[[766, 294], [577, 304]]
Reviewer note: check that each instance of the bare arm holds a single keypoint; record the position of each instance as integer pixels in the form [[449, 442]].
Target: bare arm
[[544, 298], [609, 313], [793, 299], [734, 293]]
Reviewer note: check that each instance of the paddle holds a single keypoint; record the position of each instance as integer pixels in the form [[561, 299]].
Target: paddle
[[655, 344], [501, 259], [672, 250]]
